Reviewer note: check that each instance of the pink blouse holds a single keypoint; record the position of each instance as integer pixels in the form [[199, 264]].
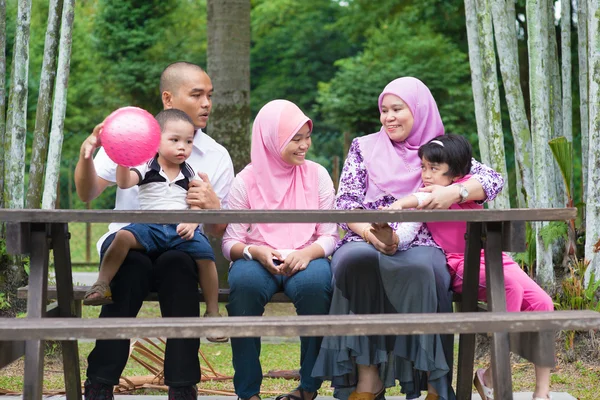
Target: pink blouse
[[326, 235]]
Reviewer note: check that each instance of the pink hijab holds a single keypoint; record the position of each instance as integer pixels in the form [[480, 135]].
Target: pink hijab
[[394, 168], [271, 183]]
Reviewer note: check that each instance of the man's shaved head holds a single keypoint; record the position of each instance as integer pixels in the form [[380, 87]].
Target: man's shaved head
[[172, 76]]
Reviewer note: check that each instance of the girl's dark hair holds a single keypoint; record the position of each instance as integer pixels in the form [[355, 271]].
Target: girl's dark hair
[[456, 152]]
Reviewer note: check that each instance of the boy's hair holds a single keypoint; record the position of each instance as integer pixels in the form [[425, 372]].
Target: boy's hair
[[172, 114], [454, 150]]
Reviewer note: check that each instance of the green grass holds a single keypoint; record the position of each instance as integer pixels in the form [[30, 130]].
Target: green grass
[[78, 244]]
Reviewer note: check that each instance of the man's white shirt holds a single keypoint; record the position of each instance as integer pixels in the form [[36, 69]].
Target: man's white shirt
[[207, 156]]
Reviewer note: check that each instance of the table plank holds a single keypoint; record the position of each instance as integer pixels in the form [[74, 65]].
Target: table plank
[[310, 325], [285, 216]]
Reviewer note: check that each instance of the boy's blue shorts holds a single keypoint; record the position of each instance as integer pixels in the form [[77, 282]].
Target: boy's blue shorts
[[158, 238]]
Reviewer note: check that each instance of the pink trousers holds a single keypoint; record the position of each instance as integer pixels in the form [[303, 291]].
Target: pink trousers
[[522, 293]]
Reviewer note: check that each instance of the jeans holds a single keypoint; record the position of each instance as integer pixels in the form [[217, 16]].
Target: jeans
[[174, 275], [251, 288]]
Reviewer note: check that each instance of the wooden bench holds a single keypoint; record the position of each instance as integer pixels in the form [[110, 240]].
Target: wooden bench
[[79, 293], [36, 231]]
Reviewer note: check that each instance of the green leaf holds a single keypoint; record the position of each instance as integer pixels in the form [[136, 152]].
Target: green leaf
[[562, 150]]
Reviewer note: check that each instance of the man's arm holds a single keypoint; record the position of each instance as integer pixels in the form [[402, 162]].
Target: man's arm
[[87, 182]]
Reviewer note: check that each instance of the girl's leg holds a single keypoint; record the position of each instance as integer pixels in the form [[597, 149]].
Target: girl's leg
[[209, 283], [252, 286], [310, 290], [534, 297]]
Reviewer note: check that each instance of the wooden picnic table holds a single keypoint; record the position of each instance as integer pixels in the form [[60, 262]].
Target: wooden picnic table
[[36, 232]]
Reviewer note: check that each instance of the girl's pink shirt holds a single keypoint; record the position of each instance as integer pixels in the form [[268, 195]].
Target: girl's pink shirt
[[450, 236], [325, 235]]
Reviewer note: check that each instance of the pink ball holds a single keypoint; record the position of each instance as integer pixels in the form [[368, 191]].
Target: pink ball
[[130, 136]]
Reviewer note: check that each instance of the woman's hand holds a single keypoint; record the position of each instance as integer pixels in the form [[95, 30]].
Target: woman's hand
[[441, 197], [266, 255], [383, 238], [295, 261]]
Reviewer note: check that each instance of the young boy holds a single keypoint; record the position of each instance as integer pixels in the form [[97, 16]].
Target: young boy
[[163, 184], [445, 161]]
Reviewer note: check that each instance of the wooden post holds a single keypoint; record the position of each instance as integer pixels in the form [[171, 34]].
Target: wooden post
[[88, 236]]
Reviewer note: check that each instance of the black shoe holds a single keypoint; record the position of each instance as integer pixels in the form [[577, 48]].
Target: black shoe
[[183, 393], [97, 391]]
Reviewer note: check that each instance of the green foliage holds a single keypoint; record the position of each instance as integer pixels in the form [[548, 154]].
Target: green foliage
[[4, 302], [553, 231], [294, 46], [575, 295], [349, 100], [562, 150]]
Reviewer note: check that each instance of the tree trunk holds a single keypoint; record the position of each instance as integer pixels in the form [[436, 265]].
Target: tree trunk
[[582, 50], [44, 105], [15, 167], [506, 42], [477, 79], [565, 44], [567, 100], [537, 44], [556, 113], [2, 96], [593, 203], [229, 68], [60, 105], [491, 95], [228, 55]]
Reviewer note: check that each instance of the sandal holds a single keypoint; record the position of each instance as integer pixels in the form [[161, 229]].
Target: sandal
[[485, 392], [257, 395], [290, 396], [217, 339], [101, 288], [368, 395]]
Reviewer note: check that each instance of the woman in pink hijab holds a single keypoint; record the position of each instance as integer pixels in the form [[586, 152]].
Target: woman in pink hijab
[[268, 258], [396, 267]]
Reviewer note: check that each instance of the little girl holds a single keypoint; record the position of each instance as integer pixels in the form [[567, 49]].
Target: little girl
[[445, 161]]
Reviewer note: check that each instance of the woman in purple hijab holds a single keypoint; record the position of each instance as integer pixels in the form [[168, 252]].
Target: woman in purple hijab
[[396, 267]]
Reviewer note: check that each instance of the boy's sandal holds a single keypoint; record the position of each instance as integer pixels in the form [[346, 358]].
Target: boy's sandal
[[290, 396], [218, 339], [101, 288], [485, 392]]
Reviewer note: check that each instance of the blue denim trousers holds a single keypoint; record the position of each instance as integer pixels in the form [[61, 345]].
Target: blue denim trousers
[[251, 288]]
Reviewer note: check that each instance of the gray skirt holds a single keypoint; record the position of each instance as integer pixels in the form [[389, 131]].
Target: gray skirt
[[366, 281]]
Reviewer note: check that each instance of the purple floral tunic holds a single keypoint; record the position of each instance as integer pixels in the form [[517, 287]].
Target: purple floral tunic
[[353, 186]]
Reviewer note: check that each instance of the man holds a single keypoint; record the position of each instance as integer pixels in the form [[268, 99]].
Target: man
[[172, 274]]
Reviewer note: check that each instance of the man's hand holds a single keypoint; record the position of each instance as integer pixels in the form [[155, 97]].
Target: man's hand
[[91, 143], [201, 193], [441, 198], [294, 262], [186, 230], [265, 255]]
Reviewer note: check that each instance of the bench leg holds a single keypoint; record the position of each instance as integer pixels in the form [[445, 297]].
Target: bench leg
[[466, 344], [496, 295], [67, 306], [36, 307]]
